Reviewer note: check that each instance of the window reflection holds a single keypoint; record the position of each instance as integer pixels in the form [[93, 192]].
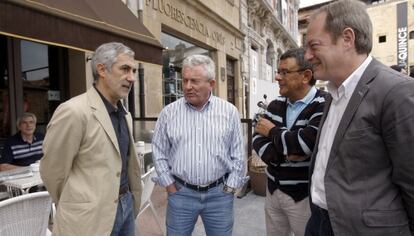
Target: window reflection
[[35, 65], [35, 77]]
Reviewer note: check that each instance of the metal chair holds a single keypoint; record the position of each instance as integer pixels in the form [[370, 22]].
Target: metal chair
[[147, 189], [25, 215]]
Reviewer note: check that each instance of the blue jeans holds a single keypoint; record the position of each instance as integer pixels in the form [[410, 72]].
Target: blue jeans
[[124, 220], [214, 206]]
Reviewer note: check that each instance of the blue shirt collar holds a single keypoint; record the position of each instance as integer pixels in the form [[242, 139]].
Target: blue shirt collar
[[307, 99]]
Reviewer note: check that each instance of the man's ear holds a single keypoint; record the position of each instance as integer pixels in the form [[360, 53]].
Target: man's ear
[[307, 75], [100, 68], [348, 36], [212, 83]]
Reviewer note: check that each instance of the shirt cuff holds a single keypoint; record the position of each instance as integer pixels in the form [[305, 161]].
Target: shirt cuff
[[235, 181], [164, 180]]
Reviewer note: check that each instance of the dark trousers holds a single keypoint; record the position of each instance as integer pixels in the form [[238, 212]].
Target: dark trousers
[[319, 223]]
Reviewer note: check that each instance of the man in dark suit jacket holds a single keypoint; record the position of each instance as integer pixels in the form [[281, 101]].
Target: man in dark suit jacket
[[362, 180]]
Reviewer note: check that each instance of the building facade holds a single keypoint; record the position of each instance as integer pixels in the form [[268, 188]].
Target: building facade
[[270, 27], [45, 47], [186, 27], [393, 30]]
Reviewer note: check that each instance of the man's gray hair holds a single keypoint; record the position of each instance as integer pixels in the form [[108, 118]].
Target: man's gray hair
[[25, 115], [201, 60], [352, 14], [107, 54]]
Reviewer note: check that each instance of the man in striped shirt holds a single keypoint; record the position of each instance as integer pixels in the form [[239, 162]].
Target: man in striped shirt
[[198, 154], [284, 140], [23, 148]]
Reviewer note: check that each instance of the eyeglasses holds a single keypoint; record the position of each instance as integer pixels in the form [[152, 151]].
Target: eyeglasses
[[283, 73]]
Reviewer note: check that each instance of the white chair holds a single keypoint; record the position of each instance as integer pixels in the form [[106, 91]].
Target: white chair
[[147, 189], [3, 192], [25, 215], [4, 195]]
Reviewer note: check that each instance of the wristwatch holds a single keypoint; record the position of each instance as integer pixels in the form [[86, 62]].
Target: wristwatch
[[228, 189]]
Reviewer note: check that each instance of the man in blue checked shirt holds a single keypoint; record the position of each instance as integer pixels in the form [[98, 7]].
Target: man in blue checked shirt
[[199, 154]]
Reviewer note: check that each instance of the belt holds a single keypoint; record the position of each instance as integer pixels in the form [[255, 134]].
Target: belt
[[202, 188], [124, 189]]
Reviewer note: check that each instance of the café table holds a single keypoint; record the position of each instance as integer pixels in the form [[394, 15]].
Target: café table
[[21, 186]]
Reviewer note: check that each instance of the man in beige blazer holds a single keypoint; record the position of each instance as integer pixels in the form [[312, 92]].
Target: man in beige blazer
[[89, 165]]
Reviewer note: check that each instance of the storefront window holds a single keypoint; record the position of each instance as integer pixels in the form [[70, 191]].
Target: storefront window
[[4, 91], [35, 79], [176, 50], [32, 79]]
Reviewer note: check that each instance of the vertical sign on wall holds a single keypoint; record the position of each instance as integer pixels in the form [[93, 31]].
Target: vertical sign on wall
[[402, 35]]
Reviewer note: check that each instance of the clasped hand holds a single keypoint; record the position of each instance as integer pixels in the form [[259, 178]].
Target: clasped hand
[[264, 126]]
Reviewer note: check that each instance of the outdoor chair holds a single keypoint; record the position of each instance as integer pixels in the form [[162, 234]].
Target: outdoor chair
[[147, 188], [3, 192], [26, 215], [4, 195]]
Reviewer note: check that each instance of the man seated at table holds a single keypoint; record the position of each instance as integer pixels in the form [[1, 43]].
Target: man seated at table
[[23, 148]]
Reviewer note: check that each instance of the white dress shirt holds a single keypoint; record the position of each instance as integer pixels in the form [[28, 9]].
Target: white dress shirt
[[340, 99]]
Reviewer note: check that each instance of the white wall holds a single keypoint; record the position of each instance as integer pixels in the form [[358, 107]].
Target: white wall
[[263, 87]]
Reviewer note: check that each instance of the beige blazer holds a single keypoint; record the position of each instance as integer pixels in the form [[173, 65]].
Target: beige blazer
[[81, 167]]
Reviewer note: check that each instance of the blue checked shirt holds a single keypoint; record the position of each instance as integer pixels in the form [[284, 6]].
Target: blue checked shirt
[[199, 147]]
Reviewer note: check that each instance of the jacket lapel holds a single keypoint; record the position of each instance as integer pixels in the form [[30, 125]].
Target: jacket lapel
[[101, 114], [358, 95]]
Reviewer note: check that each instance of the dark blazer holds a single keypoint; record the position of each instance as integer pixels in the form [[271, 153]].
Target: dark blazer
[[369, 179]]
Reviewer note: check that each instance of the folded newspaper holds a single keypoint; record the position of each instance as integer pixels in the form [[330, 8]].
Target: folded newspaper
[[17, 173]]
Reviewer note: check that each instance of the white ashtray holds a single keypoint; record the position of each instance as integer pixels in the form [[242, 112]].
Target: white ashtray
[[34, 166]]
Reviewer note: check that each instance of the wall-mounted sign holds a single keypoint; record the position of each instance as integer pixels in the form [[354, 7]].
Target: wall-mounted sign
[[402, 35], [180, 16]]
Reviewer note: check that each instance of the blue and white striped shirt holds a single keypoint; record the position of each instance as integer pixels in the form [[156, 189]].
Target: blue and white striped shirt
[[20, 152], [199, 146]]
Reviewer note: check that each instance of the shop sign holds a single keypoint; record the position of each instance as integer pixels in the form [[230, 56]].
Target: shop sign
[[402, 35], [178, 15]]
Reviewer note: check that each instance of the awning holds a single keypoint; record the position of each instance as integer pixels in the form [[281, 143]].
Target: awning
[[79, 24]]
